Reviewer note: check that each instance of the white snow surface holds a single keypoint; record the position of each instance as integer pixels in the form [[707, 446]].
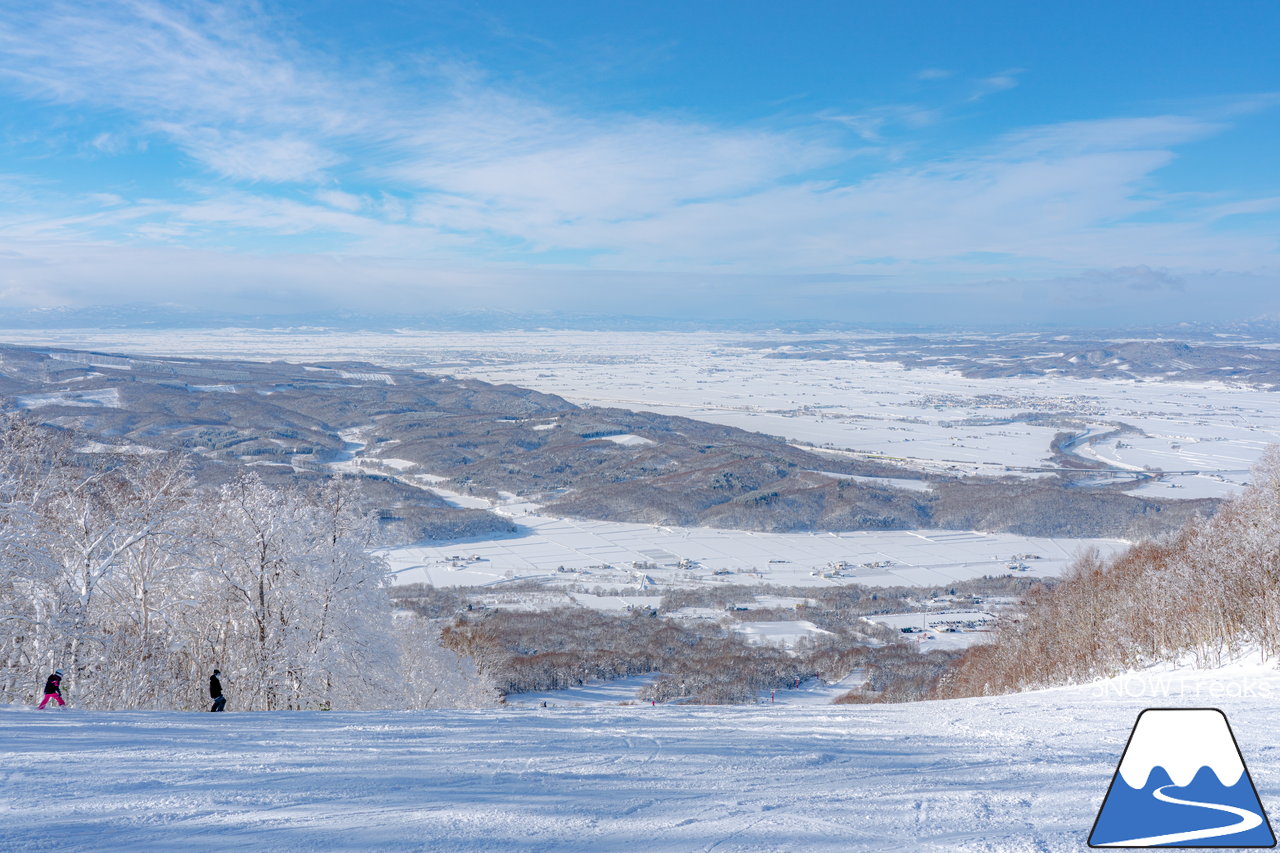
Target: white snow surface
[[628, 440], [991, 775], [627, 691], [127, 449], [604, 551], [786, 635], [104, 398], [615, 692]]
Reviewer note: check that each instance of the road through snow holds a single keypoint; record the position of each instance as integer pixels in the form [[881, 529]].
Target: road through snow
[[1013, 773]]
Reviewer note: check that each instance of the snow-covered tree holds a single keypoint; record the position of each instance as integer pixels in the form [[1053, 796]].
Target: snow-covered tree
[[116, 568], [433, 676], [299, 618]]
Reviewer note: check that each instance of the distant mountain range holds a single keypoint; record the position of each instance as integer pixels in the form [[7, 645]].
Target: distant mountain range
[[150, 316], [1219, 357], [175, 317]]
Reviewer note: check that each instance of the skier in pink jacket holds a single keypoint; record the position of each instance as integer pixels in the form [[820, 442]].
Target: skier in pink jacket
[[53, 690]]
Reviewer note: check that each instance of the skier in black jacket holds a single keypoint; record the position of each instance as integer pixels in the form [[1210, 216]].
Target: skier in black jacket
[[53, 689], [215, 692]]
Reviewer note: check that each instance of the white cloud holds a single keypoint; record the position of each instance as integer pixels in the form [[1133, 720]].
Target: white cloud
[[463, 184], [340, 200], [166, 60], [588, 176], [669, 198], [874, 124], [242, 157], [109, 143], [1250, 207], [1101, 135], [209, 76], [1001, 82]]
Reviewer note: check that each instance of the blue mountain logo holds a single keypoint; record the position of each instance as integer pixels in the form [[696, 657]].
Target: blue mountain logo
[[1181, 782]]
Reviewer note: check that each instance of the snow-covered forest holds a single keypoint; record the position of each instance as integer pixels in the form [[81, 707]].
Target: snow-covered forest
[[1206, 594], [119, 570]]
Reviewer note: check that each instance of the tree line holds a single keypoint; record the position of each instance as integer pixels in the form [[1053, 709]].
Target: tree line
[[697, 661]]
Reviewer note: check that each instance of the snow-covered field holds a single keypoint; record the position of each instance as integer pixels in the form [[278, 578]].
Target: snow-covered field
[[924, 417], [645, 558], [785, 635], [932, 419], [603, 553], [1012, 774]]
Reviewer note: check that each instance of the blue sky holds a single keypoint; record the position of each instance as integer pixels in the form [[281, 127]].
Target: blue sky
[[1090, 162]]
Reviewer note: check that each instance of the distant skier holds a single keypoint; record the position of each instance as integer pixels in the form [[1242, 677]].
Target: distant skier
[[215, 692], [53, 690]]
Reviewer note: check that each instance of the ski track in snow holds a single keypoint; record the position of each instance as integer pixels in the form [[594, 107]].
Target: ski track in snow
[[991, 775]]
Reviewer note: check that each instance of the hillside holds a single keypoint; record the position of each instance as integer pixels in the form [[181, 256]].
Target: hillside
[[1218, 575], [401, 431], [1047, 354]]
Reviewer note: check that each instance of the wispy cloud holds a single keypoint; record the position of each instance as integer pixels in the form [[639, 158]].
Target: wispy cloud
[[206, 75], [1163, 132], [177, 59], [251, 157], [874, 125], [341, 200], [1000, 82], [476, 186]]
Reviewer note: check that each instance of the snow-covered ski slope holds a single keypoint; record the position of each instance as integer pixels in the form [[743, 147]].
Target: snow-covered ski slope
[[1012, 773]]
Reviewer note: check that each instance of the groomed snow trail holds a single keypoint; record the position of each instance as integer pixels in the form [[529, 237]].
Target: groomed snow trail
[[996, 775]]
